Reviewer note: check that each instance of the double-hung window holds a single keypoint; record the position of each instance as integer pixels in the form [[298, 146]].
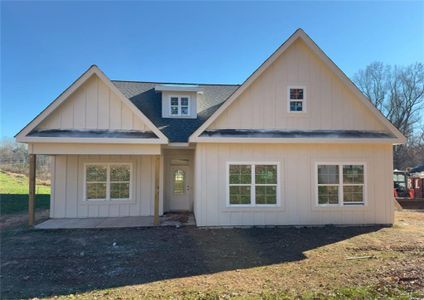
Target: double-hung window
[[107, 181], [253, 184], [340, 184], [297, 98], [179, 106]]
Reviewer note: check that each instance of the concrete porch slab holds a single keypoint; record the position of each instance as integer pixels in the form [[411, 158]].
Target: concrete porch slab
[[117, 222]]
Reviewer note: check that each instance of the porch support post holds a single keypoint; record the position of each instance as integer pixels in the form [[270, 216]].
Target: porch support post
[[31, 197], [156, 202]]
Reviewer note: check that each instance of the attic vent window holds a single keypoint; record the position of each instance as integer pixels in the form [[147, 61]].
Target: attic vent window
[[297, 97], [179, 106]]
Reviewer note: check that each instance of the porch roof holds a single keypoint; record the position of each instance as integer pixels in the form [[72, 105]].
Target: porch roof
[[65, 133], [248, 133]]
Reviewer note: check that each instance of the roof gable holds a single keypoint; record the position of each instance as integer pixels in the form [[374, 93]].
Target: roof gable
[[235, 100], [91, 102]]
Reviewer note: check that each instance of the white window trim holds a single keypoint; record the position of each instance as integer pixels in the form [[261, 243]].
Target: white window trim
[[341, 203], [298, 100], [179, 105], [108, 182], [252, 185]]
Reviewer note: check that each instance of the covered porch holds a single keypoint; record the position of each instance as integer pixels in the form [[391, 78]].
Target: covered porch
[[136, 201]]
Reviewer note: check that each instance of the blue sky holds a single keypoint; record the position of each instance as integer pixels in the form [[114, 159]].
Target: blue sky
[[45, 46]]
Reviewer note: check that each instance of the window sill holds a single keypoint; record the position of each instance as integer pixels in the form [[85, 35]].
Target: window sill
[[297, 113], [256, 208], [180, 117], [107, 201], [339, 207]]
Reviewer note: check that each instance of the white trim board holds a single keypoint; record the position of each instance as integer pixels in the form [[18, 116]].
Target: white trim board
[[299, 34], [93, 70], [94, 149]]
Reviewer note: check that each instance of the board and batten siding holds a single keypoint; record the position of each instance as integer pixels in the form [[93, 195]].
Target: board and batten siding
[[68, 188], [93, 106], [329, 103], [297, 184]]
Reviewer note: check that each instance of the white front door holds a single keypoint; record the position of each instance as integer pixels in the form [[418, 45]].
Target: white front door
[[181, 188]]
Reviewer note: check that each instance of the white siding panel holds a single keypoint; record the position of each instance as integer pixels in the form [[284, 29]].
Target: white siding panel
[[68, 185], [93, 106], [115, 112], [103, 109], [53, 185], [71, 192], [297, 184], [93, 211], [103, 210], [137, 124], [78, 100], [127, 116], [329, 103], [92, 103], [67, 113], [55, 120], [60, 187], [114, 210]]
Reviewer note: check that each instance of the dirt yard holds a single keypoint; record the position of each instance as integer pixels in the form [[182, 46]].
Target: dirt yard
[[222, 263]]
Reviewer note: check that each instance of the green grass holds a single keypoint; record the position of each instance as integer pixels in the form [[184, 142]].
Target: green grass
[[359, 293], [16, 203], [18, 184], [14, 194]]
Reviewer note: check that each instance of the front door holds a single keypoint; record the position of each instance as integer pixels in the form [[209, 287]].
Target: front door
[[181, 188]]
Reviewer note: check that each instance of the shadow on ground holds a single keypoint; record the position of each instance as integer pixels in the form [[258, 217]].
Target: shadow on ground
[[18, 203], [42, 263]]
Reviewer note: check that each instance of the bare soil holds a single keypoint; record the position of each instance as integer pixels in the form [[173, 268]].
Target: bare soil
[[188, 262], [10, 221]]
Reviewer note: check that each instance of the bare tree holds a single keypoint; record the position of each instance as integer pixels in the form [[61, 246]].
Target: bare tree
[[406, 97], [398, 92], [411, 154], [372, 81]]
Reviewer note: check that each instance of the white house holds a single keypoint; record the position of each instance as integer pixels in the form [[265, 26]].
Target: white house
[[296, 144]]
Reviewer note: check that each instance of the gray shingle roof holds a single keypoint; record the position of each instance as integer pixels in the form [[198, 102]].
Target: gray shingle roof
[[249, 133], [73, 133], [149, 102]]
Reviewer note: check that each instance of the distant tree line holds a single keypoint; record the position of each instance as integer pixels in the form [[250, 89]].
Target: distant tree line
[[14, 158], [398, 92]]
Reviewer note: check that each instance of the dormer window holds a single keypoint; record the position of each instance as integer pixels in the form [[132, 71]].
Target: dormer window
[[297, 98], [179, 106]]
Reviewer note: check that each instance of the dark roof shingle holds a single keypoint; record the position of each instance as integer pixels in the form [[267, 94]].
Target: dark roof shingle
[[149, 102], [295, 134], [93, 133]]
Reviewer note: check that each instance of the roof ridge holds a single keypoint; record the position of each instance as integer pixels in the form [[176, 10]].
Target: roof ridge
[[180, 83]]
